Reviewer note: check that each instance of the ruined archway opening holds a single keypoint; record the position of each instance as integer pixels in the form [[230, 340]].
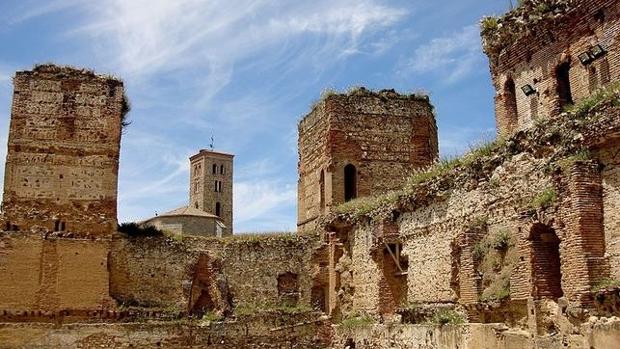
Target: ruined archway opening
[[546, 265], [565, 95], [395, 266], [288, 289], [510, 103], [350, 182]]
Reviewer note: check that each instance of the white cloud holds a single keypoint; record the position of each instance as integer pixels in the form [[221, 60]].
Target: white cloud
[[256, 201], [452, 57], [144, 37]]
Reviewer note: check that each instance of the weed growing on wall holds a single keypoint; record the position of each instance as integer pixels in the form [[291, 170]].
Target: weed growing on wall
[[545, 199], [357, 320], [448, 317]]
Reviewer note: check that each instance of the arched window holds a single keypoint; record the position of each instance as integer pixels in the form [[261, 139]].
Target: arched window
[[221, 169], [510, 104], [350, 182], [218, 209], [546, 267], [214, 169], [322, 189], [565, 94]]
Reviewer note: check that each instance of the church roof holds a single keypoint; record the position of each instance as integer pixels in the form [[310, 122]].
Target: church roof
[[188, 211]]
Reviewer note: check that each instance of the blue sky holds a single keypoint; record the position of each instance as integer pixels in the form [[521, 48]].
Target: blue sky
[[245, 71]]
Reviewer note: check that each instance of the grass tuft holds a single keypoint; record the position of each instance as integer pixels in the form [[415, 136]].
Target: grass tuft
[[545, 199], [605, 283], [357, 320], [448, 317]]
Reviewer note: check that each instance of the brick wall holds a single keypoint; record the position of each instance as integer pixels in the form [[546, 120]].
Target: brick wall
[[53, 274], [63, 150], [533, 54]]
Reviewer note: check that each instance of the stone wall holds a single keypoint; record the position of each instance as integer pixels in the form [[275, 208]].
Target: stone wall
[[530, 44], [384, 135], [63, 151], [52, 274], [267, 331], [160, 272], [472, 336]]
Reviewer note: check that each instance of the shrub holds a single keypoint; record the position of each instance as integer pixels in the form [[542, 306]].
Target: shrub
[[605, 283], [357, 320], [481, 248], [502, 240], [610, 94], [489, 24], [448, 316], [544, 199], [499, 289], [135, 230], [211, 317], [478, 224], [581, 155]]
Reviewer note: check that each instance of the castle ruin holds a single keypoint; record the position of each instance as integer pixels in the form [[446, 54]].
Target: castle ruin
[[513, 245]]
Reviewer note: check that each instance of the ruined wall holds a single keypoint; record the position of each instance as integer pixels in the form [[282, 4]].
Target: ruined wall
[[267, 331], [63, 150], [385, 135], [159, 272], [428, 233], [528, 45], [609, 157], [540, 205], [211, 182], [472, 336], [52, 274]]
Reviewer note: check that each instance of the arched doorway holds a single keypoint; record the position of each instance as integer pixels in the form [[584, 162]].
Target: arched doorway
[[545, 259]]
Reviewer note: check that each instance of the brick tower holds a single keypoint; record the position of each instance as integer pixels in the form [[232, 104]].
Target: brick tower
[[63, 151], [211, 185], [360, 144]]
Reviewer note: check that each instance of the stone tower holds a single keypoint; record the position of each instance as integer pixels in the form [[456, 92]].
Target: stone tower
[[211, 185], [546, 55], [63, 151], [360, 144]]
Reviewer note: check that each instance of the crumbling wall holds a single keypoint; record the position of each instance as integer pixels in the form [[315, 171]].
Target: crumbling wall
[[63, 150], [157, 271], [600, 334], [610, 160], [266, 331], [543, 204], [528, 45]]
